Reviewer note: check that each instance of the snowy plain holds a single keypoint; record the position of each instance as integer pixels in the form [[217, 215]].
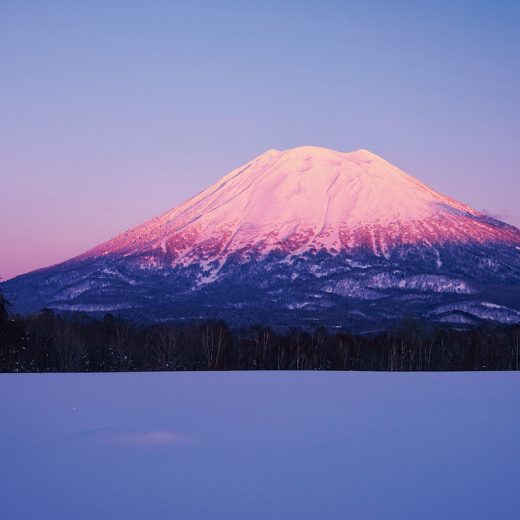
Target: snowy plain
[[259, 445]]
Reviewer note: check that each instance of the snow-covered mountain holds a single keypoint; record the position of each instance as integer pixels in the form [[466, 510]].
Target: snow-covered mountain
[[306, 235]]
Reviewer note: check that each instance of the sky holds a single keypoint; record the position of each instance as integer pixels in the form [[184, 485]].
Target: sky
[[114, 112]]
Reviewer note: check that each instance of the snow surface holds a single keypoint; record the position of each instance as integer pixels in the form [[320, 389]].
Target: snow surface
[[260, 445], [482, 310], [307, 198]]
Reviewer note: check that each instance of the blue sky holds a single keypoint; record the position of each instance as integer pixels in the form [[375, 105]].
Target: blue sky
[[113, 112]]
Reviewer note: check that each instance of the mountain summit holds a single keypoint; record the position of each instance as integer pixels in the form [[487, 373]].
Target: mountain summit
[[307, 198], [311, 233]]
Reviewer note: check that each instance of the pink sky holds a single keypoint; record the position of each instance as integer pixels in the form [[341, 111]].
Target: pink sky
[[111, 116]]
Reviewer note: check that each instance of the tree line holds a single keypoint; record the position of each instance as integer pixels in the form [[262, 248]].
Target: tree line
[[47, 342]]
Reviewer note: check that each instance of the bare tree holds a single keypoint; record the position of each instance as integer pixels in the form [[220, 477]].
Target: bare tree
[[4, 314], [120, 347], [212, 344], [166, 355], [68, 350], [344, 354], [262, 348]]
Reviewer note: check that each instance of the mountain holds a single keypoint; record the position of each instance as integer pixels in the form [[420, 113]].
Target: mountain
[[298, 237]]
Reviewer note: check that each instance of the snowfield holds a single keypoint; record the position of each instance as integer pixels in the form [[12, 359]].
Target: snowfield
[[263, 445]]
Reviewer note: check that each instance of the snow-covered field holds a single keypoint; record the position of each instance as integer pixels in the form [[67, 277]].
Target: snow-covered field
[[259, 445]]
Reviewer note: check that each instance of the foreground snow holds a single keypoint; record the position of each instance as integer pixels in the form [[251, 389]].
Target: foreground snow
[[260, 445]]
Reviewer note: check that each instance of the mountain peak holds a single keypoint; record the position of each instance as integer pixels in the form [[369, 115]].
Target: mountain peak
[[310, 150], [323, 154], [363, 152], [305, 198], [301, 228], [321, 151]]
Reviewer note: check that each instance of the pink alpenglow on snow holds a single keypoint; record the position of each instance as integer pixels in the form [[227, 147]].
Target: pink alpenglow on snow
[[307, 233], [308, 198]]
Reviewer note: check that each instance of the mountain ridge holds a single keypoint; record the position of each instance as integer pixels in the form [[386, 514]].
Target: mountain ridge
[[332, 233], [296, 156]]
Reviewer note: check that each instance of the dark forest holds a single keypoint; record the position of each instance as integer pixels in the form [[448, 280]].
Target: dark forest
[[48, 342]]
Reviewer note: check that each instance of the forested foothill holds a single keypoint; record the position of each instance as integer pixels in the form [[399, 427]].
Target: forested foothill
[[48, 342]]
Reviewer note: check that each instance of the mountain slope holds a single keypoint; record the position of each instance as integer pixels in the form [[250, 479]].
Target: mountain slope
[[346, 239], [303, 198]]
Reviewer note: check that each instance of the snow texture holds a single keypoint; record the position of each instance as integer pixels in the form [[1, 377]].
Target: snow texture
[[349, 226], [307, 198], [300, 446]]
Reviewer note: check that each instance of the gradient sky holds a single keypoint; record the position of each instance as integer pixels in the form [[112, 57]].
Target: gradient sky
[[113, 112]]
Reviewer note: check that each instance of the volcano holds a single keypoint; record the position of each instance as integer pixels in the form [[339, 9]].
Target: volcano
[[302, 237]]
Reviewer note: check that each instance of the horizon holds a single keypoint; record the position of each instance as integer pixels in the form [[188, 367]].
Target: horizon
[[110, 120]]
